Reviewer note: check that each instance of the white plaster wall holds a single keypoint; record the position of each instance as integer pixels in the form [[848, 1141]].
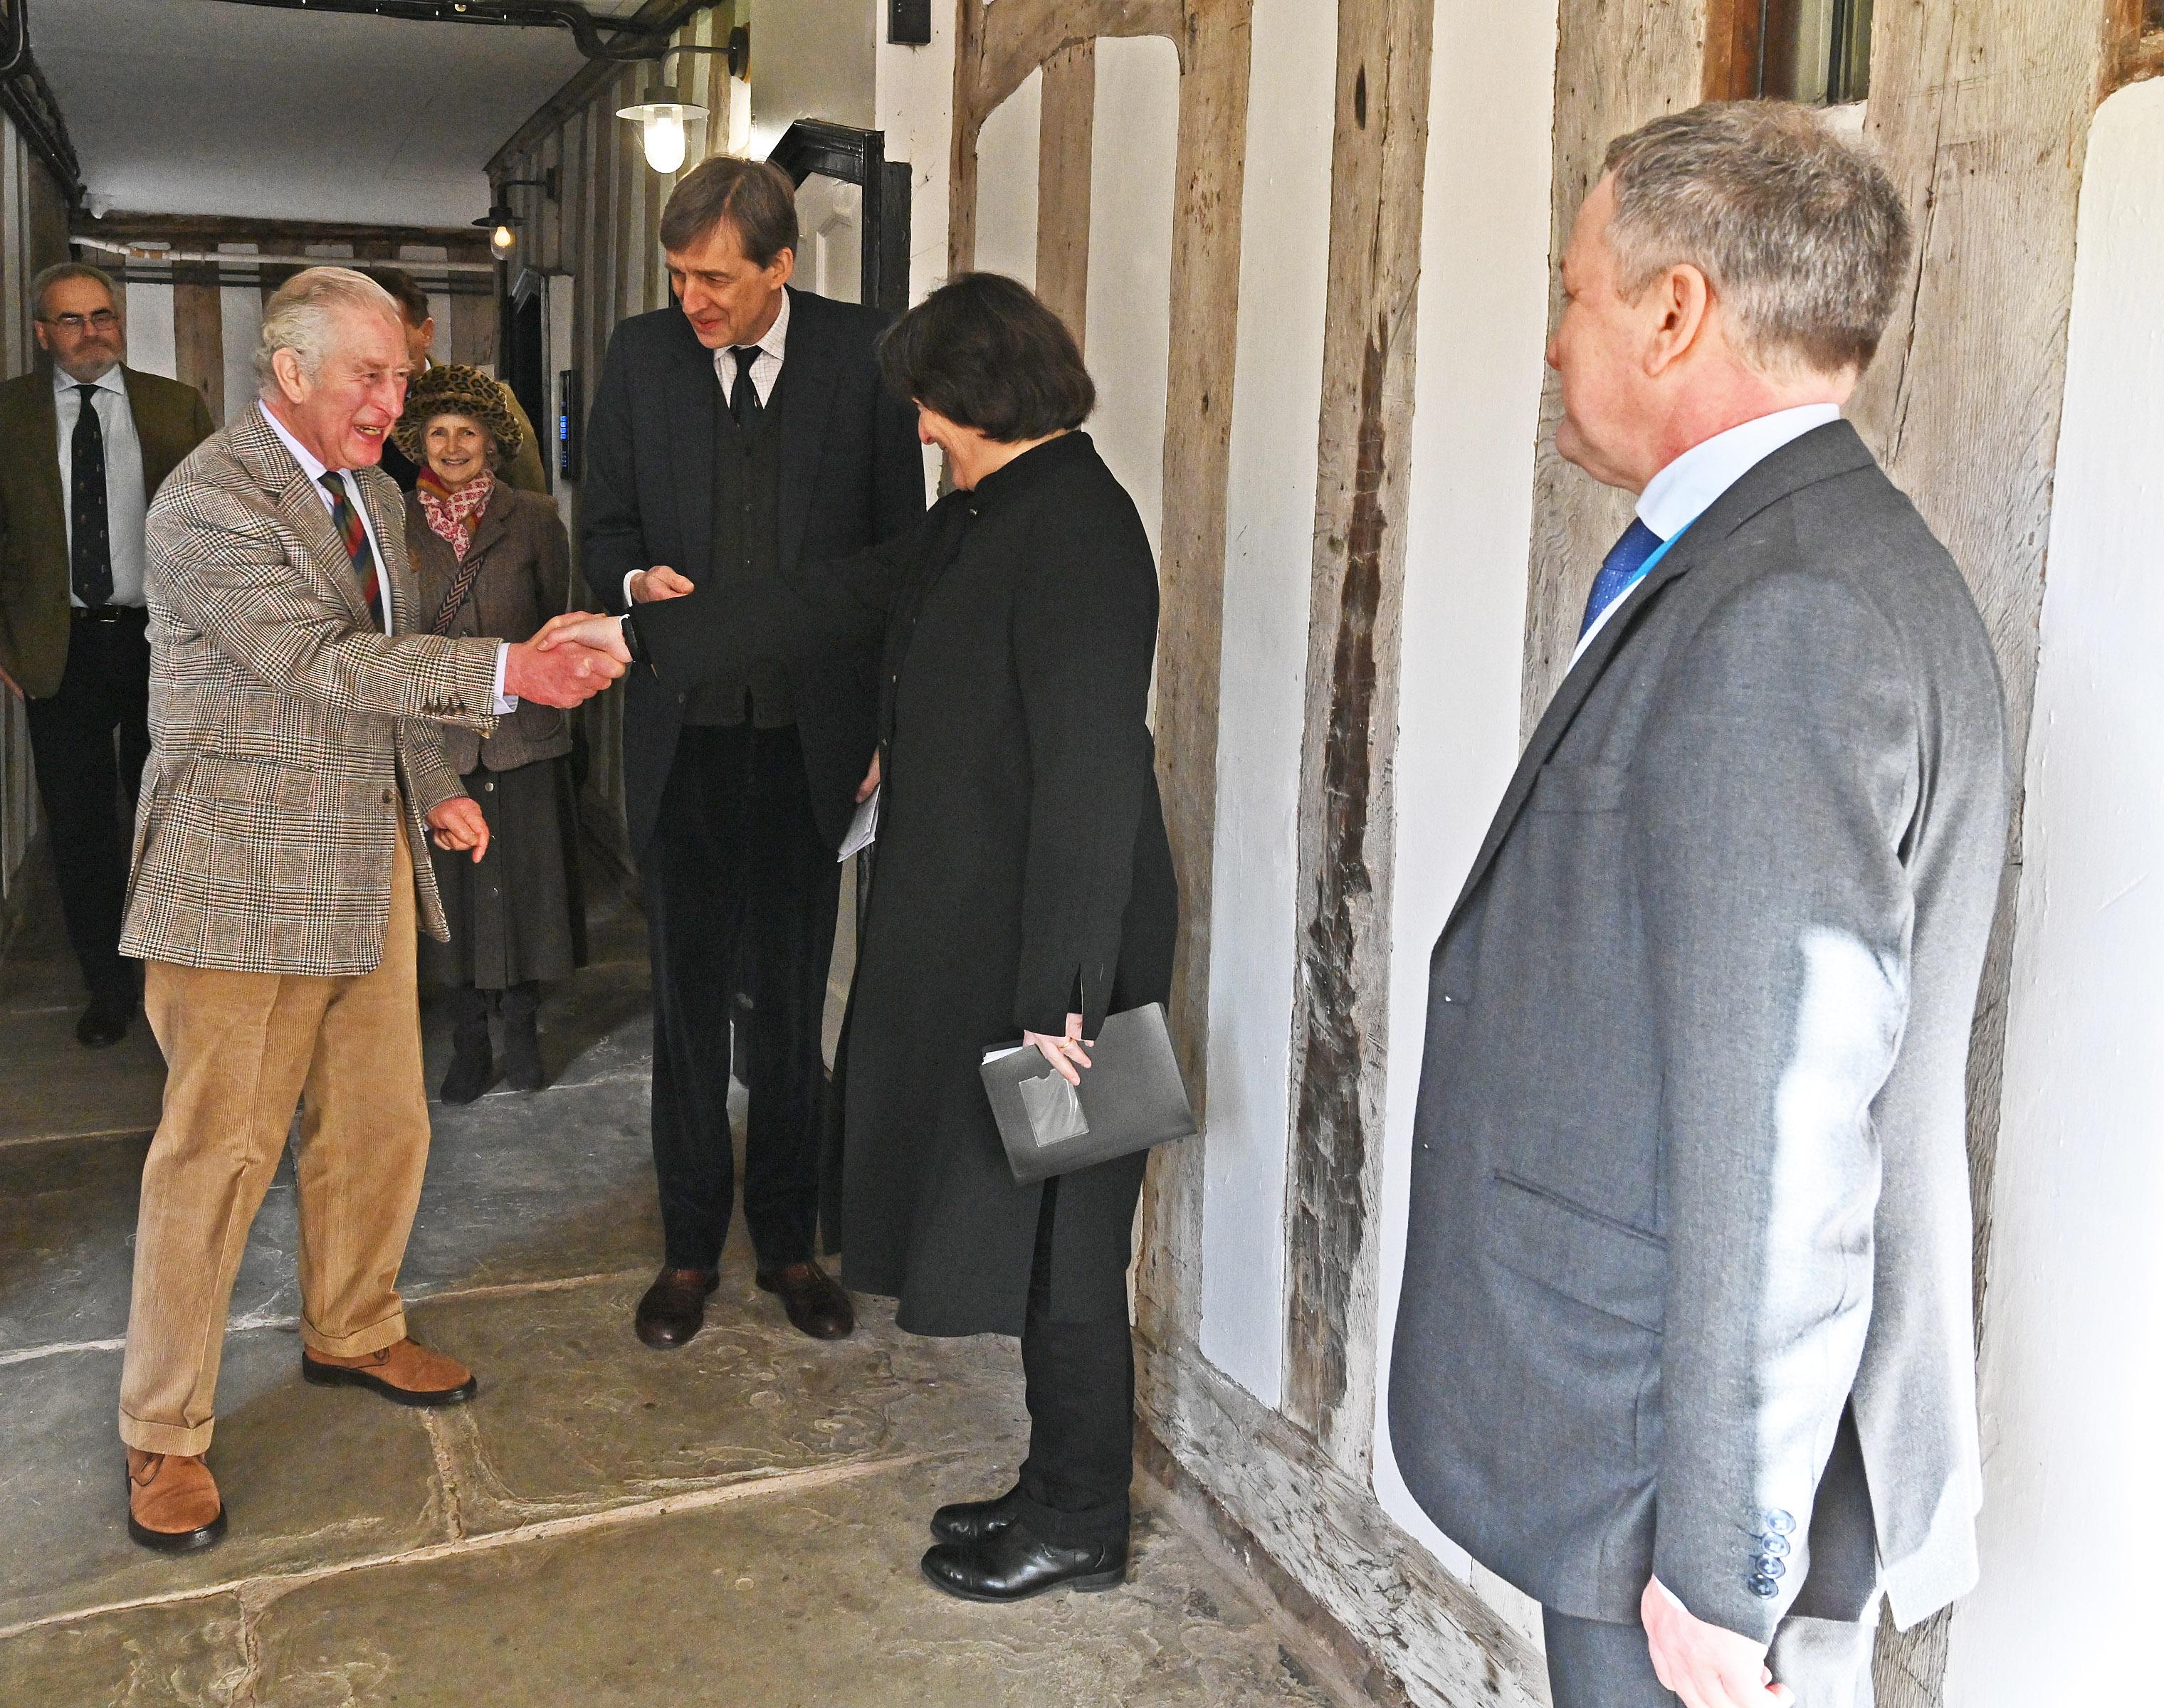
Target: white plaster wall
[[2072, 1376], [240, 329], [914, 104], [1127, 339], [809, 58], [1277, 399], [1482, 325], [1006, 183], [151, 345]]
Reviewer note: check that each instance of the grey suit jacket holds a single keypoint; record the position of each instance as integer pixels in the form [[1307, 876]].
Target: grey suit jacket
[[291, 741], [1690, 1176]]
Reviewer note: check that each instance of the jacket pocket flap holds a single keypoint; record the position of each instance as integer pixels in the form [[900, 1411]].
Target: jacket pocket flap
[[1579, 1253]]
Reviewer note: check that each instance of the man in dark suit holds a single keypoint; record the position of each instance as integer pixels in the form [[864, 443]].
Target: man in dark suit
[[1684, 1343], [744, 429], [83, 450]]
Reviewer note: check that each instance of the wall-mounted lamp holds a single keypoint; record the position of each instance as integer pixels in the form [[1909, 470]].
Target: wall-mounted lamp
[[501, 225], [669, 126], [664, 121]]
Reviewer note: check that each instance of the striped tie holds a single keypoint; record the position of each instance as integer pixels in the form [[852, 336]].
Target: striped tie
[[347, 521]]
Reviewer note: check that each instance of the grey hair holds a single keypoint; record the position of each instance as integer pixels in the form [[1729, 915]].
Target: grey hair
[[62, 270], [301, 317], [1801, 235]]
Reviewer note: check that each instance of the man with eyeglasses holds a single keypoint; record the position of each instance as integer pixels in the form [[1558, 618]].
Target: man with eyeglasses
[[82, 453]]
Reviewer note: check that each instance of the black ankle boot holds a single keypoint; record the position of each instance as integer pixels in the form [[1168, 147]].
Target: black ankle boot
[[1014, 1565], [521, 1043], [473, 1069], [972, 1520]]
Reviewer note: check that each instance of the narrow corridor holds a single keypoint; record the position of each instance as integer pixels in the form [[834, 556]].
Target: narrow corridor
[[738, 1522]]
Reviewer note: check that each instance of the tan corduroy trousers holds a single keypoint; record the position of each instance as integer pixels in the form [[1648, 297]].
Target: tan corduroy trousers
[[241, 1049]]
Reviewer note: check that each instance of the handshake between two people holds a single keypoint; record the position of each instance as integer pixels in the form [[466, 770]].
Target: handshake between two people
[[573, 658], [587, 641]]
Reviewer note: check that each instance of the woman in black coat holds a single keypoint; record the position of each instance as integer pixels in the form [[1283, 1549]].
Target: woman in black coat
[[1023, 885]]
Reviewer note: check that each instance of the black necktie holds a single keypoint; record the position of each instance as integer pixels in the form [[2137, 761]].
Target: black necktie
[[744, 395], [89, 540]]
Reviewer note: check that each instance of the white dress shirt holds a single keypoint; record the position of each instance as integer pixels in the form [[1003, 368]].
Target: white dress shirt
[[313, 468], [1685, 490], [126, 502], [765, 376]]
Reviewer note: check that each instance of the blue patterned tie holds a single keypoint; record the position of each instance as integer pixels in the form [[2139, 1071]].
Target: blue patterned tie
[[1620, 571]]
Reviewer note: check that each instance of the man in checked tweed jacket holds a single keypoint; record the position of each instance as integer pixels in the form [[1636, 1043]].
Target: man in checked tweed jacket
[[280, 865]]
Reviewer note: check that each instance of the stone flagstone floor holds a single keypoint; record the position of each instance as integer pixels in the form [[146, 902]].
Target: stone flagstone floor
[[736, 1523]]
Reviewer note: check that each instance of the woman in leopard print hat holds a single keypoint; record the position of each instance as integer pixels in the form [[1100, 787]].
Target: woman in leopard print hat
[[492, 560]]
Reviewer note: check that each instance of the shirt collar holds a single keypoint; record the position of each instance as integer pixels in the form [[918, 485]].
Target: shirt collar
[[110, 380], [1686, 489], [773, 343], [310, 465]]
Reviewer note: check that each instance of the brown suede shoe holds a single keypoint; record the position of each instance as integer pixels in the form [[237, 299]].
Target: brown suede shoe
[[407, 1373], [816, 1303], [172, 1502]]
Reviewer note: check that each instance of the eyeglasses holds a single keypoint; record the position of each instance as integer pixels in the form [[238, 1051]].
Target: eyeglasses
[[103, 321]]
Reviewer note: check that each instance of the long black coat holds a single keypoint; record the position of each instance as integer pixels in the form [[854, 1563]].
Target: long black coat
[[851, 476], [1022, 871]]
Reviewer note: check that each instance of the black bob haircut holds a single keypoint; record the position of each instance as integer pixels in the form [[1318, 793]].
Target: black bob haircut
[[985, 353]]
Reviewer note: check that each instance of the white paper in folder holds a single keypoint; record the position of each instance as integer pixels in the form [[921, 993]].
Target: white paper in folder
[[864, 829]]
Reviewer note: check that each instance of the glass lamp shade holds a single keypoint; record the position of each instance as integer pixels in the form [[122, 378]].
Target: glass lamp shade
[[502, 239], [665, 125]]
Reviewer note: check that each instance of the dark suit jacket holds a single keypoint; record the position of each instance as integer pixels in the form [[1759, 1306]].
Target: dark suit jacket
[[170, 420], [851, 475], [1689, 1176]]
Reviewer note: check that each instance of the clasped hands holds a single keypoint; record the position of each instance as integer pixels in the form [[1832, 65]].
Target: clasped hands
[[573, 658], [580, 632]]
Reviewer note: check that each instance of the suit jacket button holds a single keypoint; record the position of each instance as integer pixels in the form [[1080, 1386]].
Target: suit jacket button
[[1777, 1523], [1777, 1546], [386, 797], [1763, 1586], [1771, 1567]]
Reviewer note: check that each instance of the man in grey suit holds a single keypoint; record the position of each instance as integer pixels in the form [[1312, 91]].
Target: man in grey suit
[[1684, 1344]]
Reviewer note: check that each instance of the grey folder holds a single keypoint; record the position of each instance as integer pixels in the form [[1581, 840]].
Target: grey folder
[[1132, 1098]]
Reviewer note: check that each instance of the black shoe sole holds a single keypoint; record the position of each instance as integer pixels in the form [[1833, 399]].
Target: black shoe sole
[[177, 1541], [1089, 1584], [329, 1376]]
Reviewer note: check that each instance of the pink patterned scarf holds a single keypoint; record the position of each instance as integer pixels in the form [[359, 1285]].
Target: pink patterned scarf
[[451, 512]]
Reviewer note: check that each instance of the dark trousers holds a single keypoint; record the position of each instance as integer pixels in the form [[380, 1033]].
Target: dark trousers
[[741, 893], [1079, 1387], [89, 790]]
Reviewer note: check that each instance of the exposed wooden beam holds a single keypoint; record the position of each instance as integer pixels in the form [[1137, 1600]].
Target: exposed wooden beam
[[1065, 134], [1356, 595], [209, 231]]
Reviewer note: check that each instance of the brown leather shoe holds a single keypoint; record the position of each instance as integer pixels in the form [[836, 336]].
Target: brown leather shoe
[[172, 1502], [406, 1373], [674, 1308], [814, 1300]]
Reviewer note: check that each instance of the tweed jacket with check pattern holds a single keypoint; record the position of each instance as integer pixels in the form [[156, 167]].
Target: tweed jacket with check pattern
[[291, 738]]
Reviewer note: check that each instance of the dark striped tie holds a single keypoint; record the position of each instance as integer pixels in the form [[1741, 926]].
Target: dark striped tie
[[89, 541], [355, 538]]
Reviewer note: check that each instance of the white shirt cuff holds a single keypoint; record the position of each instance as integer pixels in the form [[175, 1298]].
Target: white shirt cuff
[[506, 703], [626, 586]]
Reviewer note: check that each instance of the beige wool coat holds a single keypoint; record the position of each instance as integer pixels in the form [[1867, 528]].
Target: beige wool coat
[[293, 741]]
